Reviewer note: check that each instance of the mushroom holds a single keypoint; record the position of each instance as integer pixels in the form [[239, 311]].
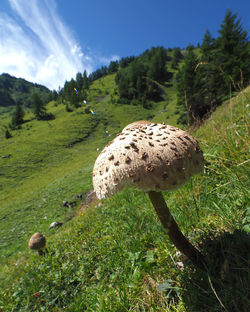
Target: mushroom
[[163, 158], [37, 242]]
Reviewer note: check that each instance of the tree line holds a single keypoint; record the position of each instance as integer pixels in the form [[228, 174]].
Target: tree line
[[212, 73]]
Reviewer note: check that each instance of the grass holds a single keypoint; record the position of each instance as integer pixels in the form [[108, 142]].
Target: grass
[[47, 162], [115, 256]]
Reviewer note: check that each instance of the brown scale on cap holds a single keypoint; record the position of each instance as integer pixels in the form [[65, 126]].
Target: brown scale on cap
[[135, 148], [147, 158], [144, 156], [159, 157], [128, 160], [151, 168]]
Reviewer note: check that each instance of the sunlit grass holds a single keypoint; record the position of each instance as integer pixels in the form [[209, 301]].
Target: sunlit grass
[[116, 256]]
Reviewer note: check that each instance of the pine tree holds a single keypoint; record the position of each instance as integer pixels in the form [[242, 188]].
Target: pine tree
[[79, 81], [207, 47], [157, 65], [177, 57], [17, 118], [38, 106], [85, 80], [187, 87], [233, 51], [210, 77]]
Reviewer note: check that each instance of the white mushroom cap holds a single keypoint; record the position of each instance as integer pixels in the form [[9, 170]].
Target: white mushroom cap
[[149, 156], [37, 241]]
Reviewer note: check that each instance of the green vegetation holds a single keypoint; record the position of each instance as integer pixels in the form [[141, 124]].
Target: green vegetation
[[115, 255], [17, 118], [220, 68], [16, 90]]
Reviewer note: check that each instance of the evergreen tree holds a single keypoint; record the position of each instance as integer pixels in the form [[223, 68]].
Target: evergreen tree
[[157, 65], [113, 67], [17, 118], [54, 95], [177, 57], [233, 51], [187, 87], [38, 106], [79, 81], [209, 76], [207, 47], [85, 81]]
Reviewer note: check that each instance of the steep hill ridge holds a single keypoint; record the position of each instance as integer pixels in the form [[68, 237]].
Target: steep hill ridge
[[13, 90]]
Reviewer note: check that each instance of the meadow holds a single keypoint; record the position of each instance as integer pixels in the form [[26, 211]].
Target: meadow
[[115, 256]]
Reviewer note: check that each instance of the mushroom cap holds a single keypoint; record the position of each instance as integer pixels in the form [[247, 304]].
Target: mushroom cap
[[37, 241], [149, 156]]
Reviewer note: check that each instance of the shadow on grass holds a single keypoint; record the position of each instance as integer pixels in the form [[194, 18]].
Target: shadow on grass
[[226, 286]]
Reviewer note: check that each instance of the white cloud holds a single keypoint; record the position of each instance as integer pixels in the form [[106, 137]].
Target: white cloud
[[37, 46]]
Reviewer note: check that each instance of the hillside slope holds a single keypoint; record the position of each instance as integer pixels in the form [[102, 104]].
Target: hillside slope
[[116, 256], [13, 90], [47, 162]]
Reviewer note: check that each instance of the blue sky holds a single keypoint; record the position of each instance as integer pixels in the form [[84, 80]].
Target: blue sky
[[49, 41]]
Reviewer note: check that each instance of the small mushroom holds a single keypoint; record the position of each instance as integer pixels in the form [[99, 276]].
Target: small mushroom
[[37, 242], [153, 174]]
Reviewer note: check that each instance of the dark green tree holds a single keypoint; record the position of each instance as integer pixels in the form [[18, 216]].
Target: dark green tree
[[157, 65], [177, 57], [17, 117], [187, 87], [79, 81], [210, 77], [85, 81], [207, 47], [113, 67], [233, 51], [38, 106], [54, 95]]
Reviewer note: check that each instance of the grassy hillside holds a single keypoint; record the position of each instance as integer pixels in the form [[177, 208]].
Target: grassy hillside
[[115, 256], [47, 162]]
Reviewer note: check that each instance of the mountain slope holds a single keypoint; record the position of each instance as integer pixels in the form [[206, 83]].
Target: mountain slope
[[113, 257], [46, 155], [13, 90]]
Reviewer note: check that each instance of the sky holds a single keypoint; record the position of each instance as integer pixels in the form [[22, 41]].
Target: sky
[[49, 41]]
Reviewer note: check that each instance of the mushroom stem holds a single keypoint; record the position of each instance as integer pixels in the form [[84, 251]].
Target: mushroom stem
[[172, 229]]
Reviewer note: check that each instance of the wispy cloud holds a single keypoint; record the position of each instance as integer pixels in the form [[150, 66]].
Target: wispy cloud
[[36, 45]]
